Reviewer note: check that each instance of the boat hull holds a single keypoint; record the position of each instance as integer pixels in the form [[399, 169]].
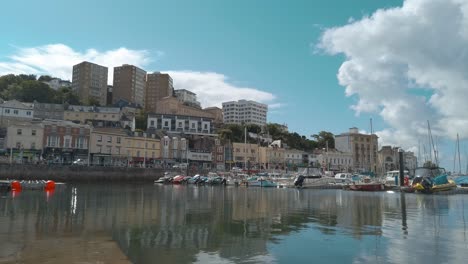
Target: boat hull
[[367, 187]]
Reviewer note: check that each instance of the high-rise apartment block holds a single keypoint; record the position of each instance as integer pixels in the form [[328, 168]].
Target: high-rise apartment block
[[89, 81], [158, 86], [245, 111], [363, 148], [129, 84]]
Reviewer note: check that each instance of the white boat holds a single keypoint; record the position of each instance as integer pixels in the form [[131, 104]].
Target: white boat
[[393, 177], [343, 177]]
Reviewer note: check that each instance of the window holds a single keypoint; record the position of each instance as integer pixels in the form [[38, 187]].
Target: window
[[109, 149], [15, 112], [193, 125], [154, 146], [180, 124], [206, 126], [99, 148], [67, 143], [109, 139], [138, 153], [19, 131], [166, 124], [68, 130], [152, 123], [7, 111], [81, 143], [117, 150], [28, 113], [33, 145], [118, 140], [52, 141], [99, 138]]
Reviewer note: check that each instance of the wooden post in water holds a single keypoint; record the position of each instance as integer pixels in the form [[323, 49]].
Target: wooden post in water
[[402, 166]]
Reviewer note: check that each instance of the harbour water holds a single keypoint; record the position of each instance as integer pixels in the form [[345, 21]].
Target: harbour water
[[98, 223]]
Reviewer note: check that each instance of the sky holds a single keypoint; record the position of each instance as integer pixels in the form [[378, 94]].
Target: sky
[[319, 65]]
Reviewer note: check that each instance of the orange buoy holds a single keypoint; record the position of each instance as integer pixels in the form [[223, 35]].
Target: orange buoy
[[49, 186], [16, 186]]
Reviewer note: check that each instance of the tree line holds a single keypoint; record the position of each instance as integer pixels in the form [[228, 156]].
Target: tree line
[[28, 88], [235, 133]]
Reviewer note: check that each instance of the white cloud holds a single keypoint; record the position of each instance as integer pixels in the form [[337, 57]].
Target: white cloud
[[213, 88], [58, 60], [396, 54]]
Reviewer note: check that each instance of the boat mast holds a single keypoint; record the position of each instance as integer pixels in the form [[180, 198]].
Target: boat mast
[[459, 158], [431, 144]]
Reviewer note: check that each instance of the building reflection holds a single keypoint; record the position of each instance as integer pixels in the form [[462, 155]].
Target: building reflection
[[172, 224]]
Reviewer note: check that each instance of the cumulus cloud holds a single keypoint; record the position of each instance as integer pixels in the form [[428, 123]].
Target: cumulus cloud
[[409, 64], [213, 88], [58, 60]]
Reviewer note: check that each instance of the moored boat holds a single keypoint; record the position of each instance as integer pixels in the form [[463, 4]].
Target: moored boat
[[368, 187]]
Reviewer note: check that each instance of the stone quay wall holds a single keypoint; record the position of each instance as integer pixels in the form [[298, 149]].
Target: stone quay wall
[[60, 173]]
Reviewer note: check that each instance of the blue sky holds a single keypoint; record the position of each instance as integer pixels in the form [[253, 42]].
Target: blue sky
[[268, 46]]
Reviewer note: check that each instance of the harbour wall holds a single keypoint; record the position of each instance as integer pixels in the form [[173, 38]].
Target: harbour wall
[[78, 173]]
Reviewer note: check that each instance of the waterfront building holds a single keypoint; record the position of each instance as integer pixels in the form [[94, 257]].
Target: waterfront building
[[363, 148], [15, 111], [158, 86], [100, 116], [187, 97], [119, 147], [48, 111], [218, 155], [388, 159], [129, 84], [295, 157], [143, 149], [245, 112], [243, 152], [25, 141], [57, 83], [191, 125], [89, 81], [65, 141], [334, 160]]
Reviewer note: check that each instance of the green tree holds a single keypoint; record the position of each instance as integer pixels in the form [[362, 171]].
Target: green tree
[[93, 101], [141, 121], [323, 138], [45, 78]]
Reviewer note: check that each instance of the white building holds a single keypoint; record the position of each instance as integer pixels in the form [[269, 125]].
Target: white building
[[333, 160], [245, 111], [26, 135], [57, 83], [187, 97], [181, 124], [294, 156], [12, 111]]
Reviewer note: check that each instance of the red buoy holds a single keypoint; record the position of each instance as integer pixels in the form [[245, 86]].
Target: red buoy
[[49, 186], [16, 186]]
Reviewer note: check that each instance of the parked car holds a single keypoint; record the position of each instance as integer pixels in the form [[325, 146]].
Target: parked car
[[79, 162]]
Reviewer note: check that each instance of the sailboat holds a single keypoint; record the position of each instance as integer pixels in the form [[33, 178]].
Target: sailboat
[[432, 178]]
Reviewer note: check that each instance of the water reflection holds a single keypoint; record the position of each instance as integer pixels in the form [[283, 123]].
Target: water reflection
[[186, 224]]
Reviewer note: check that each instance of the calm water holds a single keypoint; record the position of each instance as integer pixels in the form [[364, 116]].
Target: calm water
[[188, 224]]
